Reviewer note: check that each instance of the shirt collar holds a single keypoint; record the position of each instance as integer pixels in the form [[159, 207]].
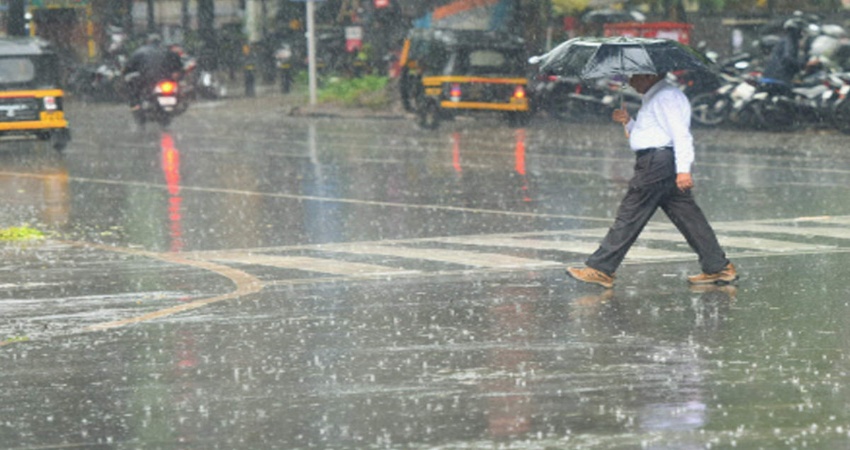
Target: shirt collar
[[654, 89]]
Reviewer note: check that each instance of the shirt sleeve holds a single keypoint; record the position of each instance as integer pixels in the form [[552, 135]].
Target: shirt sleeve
[[674, 116]]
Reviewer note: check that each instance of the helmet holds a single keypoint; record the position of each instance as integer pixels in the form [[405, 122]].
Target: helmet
[[794, 24], [812, 29]]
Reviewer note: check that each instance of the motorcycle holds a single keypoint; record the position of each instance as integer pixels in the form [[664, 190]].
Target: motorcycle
[[779, 107], [841, 106], [196, 82], [698, 82], [161, 104], [566, 97], [724, 104], [100, 82]]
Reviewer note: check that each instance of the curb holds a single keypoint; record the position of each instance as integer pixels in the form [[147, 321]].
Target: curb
[[296, 105]]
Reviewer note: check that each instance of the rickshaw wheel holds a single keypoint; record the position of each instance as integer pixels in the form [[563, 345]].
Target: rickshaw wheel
[[59, 139], [428, 115], [408, 90]]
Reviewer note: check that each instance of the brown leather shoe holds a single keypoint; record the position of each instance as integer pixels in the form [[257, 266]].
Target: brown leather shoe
[[591, 275], [725, 276]]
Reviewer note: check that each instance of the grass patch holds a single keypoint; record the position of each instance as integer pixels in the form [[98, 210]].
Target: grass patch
[[368, 91], [14, 339], [24, 233]]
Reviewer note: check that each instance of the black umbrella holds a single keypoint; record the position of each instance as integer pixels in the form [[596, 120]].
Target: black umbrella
[[618, 56], [603, 16]]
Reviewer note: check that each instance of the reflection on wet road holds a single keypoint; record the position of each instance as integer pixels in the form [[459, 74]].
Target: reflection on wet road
[[293, 283]]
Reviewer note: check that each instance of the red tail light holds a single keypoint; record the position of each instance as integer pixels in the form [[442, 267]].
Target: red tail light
[[166, 87], [519, 91], [455, 92]]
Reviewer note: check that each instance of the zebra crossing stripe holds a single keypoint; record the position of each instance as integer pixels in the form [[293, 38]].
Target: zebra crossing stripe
[[462, 257], [830, 232], [566, 241], [310, 264], [569, 246], [752, 243]]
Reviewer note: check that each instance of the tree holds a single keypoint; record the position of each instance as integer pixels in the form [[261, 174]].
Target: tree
[[208, 55], [15, 22]]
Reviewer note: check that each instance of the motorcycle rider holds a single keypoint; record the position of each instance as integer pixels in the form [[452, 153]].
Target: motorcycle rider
[[790, 56], [148, 65], [785, 61]]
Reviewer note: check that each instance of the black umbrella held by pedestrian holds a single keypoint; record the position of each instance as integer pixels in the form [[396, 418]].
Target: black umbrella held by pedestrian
[[662, 143], [618, 56]]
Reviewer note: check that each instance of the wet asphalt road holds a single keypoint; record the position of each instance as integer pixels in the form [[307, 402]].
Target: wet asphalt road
[[251, 279]]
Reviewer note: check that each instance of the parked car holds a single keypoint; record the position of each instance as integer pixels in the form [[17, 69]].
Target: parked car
[[450, 72], [31, 99]]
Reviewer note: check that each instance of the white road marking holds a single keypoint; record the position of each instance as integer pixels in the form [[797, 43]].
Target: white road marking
[[570, 246], [477, 249], [306, 263], [467, 258], [838, 233], [753, 243]]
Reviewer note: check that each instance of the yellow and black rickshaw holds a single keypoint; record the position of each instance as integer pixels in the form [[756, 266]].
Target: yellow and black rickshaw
[[31, 99], [450, 72]]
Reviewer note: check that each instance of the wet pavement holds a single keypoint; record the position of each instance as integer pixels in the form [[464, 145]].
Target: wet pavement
[[264, 277]]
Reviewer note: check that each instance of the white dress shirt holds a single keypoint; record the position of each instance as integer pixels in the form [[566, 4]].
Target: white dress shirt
[[664, 120]]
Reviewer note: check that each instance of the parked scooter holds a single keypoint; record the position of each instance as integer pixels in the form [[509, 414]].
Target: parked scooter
[[779, 107], [716, 107], [196, 82], [841, 105], [102, 81], [565, 98]]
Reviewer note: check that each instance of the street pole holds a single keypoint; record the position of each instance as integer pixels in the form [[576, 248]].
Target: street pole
[[252, 26], [311, 50], [549, 26]]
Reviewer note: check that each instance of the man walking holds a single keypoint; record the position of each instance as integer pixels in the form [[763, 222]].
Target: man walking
[[661, 138]]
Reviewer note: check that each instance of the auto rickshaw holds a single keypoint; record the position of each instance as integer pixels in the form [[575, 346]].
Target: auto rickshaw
[[31, 99], [449, 72]]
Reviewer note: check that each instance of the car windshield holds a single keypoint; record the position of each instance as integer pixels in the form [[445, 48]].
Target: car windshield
[[28, 72], [485, 61]]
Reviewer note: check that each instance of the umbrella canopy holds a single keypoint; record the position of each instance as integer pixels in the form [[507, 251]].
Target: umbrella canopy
[[608, 15], [618, 56]]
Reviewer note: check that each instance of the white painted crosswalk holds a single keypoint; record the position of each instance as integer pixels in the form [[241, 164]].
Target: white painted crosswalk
[[321, 265], [660, 242]]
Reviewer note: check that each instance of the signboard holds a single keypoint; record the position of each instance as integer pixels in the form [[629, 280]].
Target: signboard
[[665, 30], [58, 3], [353, 38]]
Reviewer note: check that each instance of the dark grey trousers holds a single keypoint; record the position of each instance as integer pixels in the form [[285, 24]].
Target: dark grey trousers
[[652, 186]]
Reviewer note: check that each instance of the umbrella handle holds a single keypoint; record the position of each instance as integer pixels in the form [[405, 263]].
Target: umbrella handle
[[623, 107]]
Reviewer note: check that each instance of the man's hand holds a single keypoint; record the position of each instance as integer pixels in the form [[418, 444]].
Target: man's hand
[[621, 116], [684, 181]]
